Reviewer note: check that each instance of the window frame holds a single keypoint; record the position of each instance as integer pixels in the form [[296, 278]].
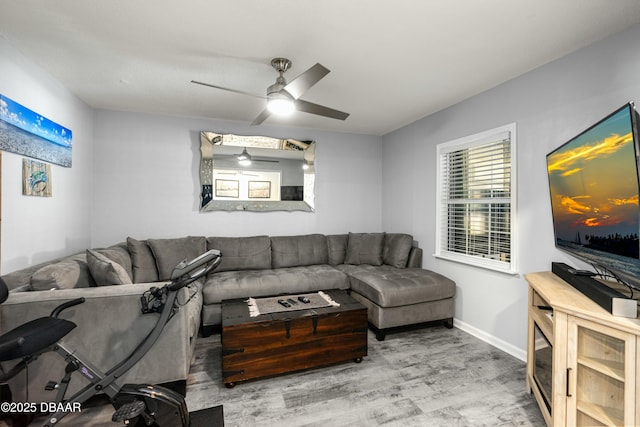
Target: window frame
[[495, 135]]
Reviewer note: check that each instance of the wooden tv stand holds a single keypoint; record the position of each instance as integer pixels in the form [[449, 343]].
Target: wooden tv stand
[[595, 374]]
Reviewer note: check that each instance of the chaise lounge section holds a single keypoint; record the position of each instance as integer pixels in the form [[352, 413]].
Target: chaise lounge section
[[385, 275]]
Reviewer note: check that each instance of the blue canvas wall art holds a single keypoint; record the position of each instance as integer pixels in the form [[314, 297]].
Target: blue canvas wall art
[[25, 132]]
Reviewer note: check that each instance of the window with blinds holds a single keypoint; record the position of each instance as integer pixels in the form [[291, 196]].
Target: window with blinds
[[476, 200]]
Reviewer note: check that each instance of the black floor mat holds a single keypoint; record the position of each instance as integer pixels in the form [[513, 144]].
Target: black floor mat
[[209, 417]]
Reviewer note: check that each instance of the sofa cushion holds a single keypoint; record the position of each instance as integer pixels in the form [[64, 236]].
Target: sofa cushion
[[120, 254], [259, 283], [242, 253], [106, 271], [66, 274], [337, 247], [143, 263], [392, 287], [170, 252], [294, 251], [364, 248], [396, 249]]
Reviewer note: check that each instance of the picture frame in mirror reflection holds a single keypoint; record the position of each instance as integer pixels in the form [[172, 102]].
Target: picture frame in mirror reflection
[[259, 189], [227, 188]]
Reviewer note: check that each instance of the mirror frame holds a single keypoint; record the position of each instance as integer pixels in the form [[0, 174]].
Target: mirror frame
[[209, 140]]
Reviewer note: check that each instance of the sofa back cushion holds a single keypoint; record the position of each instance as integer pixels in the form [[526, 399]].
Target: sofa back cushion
[[242, 253], [396, 249], [143, 263], [298, 251], [170, 252], [364, 248], [337, 247]]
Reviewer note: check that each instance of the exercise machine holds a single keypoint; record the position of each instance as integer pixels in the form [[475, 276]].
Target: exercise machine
[[135, 404]]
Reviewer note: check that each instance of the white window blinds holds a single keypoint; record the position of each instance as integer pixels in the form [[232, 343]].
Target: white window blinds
[[476, 200]]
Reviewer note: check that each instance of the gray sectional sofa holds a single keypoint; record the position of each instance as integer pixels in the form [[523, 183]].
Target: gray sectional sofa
[[381, 270]]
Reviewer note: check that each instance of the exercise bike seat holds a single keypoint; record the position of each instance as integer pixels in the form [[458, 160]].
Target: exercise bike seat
[[33, 337]]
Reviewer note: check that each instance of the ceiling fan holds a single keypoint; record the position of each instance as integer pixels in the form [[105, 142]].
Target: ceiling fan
[[245, 158], [283, 97]]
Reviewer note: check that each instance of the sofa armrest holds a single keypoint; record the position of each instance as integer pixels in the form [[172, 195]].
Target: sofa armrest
[[109, 327]]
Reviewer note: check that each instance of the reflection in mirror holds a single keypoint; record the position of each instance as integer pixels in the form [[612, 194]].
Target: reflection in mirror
[[256, 173]]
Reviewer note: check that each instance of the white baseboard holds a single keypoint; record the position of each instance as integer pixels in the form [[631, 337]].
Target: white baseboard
[[496, 342]]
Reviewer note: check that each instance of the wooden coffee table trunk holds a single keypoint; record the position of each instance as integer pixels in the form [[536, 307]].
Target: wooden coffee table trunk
[[271, 344]]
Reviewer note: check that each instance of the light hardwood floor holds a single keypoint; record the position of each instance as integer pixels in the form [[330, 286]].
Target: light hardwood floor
[[427, 377]]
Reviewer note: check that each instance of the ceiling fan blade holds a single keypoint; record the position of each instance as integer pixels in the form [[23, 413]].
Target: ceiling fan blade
[[261, 117], [229, 90], [298, 86], [320, 110]]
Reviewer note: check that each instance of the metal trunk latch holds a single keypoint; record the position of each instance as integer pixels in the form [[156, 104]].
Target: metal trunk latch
[[287, 327]]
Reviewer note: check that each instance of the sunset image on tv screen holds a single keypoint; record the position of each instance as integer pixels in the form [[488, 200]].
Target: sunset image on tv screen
[[594, 188]]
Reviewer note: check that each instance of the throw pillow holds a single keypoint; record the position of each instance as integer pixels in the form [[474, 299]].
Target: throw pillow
[[396, 249], [105, 271], [364, 248], [120, 254], [170, 252], [143, 263], [66, 274]]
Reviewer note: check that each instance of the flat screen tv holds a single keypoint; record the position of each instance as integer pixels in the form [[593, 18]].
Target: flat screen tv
[[593, 180]]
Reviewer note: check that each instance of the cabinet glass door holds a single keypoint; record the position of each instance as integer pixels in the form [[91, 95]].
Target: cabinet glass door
[[601, 375]]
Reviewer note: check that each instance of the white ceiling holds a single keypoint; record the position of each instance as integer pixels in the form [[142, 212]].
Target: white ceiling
[[391, 62]]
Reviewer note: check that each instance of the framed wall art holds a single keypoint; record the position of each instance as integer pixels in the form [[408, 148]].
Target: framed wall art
[[25, 132], [36, 178]]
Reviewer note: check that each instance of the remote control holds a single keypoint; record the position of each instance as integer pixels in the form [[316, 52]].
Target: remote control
[[304, 300], [284, 303]]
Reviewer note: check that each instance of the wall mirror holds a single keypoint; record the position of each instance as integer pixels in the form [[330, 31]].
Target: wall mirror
[[256, 173]]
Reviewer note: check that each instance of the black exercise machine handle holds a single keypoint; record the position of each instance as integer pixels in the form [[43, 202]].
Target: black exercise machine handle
[[56, 311], [4, 290], [182, 275]]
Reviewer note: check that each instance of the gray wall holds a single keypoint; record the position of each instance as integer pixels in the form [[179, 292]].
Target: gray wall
[[36, 229], [550, 105], [146, 182]]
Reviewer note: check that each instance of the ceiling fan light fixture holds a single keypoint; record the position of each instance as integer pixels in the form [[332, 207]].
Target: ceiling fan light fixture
[[280, 104], [244, 159]]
